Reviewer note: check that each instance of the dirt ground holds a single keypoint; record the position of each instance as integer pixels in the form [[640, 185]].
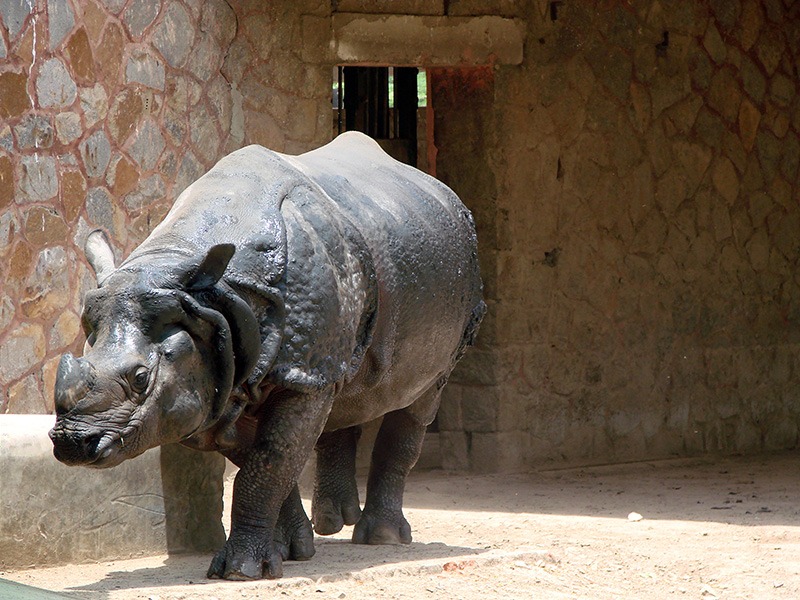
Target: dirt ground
[[709, 528]]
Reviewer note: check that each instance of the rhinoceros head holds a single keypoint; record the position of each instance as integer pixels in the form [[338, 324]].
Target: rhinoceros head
[[158, 363]]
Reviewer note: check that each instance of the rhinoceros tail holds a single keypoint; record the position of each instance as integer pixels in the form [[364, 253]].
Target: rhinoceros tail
[[471, 330]]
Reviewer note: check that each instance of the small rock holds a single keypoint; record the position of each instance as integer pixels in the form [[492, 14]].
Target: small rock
[[707, 591], [634, 516], [458, 566]]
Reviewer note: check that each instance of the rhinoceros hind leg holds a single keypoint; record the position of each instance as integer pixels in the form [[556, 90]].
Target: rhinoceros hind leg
[[294, 538], [396, 451], [335, 502]]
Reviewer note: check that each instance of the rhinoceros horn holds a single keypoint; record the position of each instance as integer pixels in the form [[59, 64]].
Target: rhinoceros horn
[[74, 379]]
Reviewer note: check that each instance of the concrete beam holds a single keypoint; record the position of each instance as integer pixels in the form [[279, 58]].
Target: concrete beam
[[167, 500], [397, 7], [426, 40]]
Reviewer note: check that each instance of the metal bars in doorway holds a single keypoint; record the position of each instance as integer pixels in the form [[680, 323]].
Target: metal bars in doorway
[[381, 102]]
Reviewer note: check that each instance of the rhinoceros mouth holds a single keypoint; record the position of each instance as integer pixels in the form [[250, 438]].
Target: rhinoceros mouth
[[115, 447], [98, 449], [106, 448]]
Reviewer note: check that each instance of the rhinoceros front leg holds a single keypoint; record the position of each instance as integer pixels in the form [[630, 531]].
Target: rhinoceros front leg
[[335, 501], [268, 473], [397, 448], [293, 536]]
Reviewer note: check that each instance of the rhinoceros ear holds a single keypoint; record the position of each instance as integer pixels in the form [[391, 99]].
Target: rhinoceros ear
[[209, 271], [99, 254]]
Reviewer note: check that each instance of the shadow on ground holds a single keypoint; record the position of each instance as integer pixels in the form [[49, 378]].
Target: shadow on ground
[[335, 559]]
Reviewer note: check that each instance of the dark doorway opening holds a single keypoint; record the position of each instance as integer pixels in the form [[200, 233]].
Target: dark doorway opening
[[386, 103]]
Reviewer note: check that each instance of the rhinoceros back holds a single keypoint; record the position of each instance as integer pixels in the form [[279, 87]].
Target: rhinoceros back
[[423, 246]]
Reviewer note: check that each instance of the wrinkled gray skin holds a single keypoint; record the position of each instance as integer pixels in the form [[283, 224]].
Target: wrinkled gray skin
[[282, 302]]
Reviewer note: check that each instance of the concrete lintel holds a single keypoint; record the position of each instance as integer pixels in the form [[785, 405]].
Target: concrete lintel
[[167, 500], [427, 40], [397, 7]]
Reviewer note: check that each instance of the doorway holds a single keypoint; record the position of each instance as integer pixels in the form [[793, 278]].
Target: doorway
[[444, 125], [388, 104]]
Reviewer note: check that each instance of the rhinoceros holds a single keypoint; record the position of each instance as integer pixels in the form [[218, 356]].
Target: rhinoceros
[[283, 302]]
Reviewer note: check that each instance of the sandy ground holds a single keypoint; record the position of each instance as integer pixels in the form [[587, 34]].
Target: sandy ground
[[710, 528]]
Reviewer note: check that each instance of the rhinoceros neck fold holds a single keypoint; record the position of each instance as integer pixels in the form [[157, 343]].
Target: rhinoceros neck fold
[[243, 324]]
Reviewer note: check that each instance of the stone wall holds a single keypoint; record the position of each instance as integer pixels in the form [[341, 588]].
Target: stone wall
[[278, 66], [634, 180], [642, 260], [108, 110]]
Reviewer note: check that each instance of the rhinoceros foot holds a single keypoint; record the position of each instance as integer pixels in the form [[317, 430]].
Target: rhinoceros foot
[[296, 545], [294, 537], [241, 563], [335, 502], [332, 513], [377, 529]]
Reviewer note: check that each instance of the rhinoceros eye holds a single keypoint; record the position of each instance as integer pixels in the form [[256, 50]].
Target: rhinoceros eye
[[139, 379]]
